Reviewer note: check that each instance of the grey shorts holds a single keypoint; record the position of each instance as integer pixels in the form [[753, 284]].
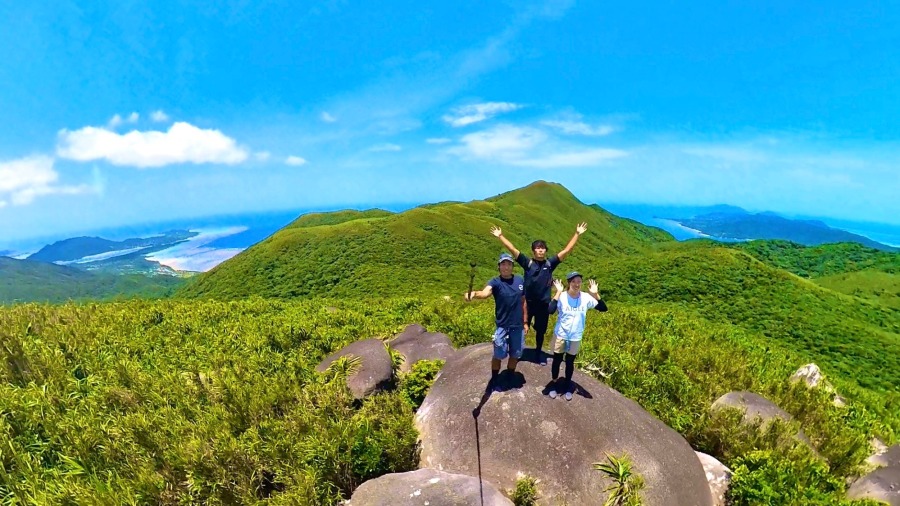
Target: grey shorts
[[509, 342]]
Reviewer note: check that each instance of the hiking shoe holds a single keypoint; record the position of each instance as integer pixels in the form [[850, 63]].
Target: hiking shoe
[[543, 360], [568, 396], [552, 394]]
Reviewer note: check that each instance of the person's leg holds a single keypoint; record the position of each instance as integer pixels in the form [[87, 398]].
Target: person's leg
[[500, 352], [539, 312], [516, 347], [571, 353], [554, 367]]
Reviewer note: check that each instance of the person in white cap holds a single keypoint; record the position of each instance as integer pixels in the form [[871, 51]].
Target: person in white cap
[[566, 340], [510, 315]]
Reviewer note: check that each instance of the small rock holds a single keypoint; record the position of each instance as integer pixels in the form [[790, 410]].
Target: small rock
[[881, 485], [415, 343], [718, 475], [810, 374]]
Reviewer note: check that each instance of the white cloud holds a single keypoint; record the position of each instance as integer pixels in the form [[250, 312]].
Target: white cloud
[[118, 120], [295, 161], [262, 156], [182, 143], [474, 113], [159, 116], [385, 147], [133, 117], [437, 140], [529, 147], [328, 118], [573, 127], [115, 121], [2, 204], [23, 180]]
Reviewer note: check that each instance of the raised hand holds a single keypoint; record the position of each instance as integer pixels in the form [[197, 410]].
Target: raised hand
[[592, 286], [496, 231], [558, 285], [467, 296], [581, 228]]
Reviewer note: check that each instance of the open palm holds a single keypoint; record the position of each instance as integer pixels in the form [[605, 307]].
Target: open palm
[[581, 228], [592, 286], [496, 231]]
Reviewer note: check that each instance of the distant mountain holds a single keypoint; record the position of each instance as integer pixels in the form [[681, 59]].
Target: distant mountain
[[81, 248], [767, 225], [33, 281], [428, 248]]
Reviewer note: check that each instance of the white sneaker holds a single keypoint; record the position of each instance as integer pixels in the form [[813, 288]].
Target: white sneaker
[[552, 394], [568, 396]]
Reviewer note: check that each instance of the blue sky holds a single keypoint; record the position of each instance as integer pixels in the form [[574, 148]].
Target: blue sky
[[125, 112]]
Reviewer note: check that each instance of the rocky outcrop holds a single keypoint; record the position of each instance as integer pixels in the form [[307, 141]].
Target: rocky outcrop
[[469, 429], [809, 374], [881, 485], [375, 370], [427, 487], [415, 343], [754, 406]]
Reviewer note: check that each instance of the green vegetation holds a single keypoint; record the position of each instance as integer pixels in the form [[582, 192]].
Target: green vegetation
[[414, 385], [626, 486], [174, 401], [31, 281], [525, 493], [202, 399]]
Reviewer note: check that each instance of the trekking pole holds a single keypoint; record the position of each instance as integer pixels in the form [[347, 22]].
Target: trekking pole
[[471, 280]]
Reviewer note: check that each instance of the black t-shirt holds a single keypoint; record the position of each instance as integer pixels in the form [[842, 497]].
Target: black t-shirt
[[538, 276], [508, 301]]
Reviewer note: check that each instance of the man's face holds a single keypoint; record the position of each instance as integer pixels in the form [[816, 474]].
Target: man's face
[[575, 284], [539, 253], [506, 268]]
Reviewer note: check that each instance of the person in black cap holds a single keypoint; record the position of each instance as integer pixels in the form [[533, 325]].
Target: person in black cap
[[510, 313], [538, 278], [566, 340]]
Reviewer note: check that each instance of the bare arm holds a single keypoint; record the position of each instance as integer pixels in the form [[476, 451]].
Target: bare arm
[[525, 314], [479, 294], [499, 235], [580, 229]]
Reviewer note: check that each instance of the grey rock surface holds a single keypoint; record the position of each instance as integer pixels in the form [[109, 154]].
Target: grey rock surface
[[427, 487], [375, 372]]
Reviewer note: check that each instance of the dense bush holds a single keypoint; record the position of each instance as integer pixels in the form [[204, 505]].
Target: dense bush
[[414, 385]]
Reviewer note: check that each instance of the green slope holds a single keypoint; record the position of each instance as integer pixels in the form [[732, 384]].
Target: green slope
[[845, 335], [31, 281], [872, 285], [424, 250]]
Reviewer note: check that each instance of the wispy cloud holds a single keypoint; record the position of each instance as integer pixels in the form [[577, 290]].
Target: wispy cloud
[[262, 156], [159, 116], [182, 143], [295, 161], [117, 120], [438, 140], [475, 113], [575, 127], [23, 180], [327, 118], [529, 147], [386, 147]]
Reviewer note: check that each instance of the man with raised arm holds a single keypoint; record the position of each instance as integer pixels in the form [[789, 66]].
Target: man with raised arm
[[538, 278], [510, 314]]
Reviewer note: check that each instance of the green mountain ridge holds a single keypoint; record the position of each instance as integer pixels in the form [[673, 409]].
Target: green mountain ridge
[[427, 249], [34, 281]]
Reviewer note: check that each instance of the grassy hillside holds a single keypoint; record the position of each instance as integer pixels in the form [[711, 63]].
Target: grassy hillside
[[875, 286], [844, 335], [820, 261], [424, 250], [177, 402], [31, 281]]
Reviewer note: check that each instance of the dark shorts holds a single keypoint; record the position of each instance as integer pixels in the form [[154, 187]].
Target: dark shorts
[[539, 313]]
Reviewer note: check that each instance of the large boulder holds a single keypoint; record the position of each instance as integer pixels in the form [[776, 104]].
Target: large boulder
[[466, 428], [375, 370], [754, 406], [881, 485], [427, 486], [717, 475], [415, 343], [885, 457]]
